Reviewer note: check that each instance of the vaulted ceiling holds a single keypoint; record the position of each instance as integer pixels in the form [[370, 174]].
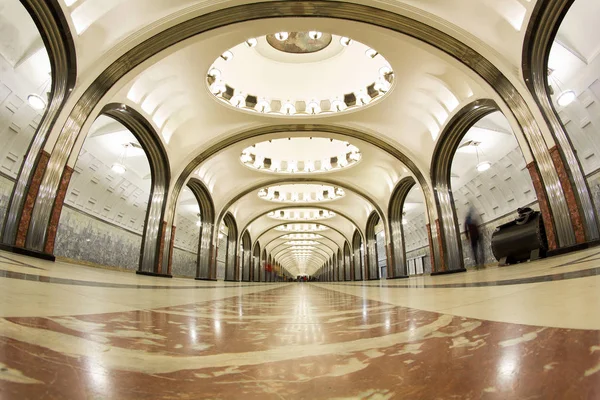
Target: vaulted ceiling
[[175, 91]]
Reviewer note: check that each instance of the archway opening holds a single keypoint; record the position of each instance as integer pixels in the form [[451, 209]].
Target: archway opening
[[105, 208], [358, 251], [227, 251], [416, 238], [489, 182]]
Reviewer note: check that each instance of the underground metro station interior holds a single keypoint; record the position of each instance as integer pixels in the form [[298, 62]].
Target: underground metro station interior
[[300, 199]]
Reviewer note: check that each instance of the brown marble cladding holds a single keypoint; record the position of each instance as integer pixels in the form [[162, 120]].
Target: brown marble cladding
[[171, 248], [544, 206], [444, 266], [32, 193], [565, 182], [57, 209], [431, 253], [340, 347], [161, 248]]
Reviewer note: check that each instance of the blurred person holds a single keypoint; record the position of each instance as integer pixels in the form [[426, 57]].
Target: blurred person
[[472, 232]]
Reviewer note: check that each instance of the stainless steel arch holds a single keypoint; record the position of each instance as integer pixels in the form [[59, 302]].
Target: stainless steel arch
[[54, 29], [395, 211], [324, 207], [372, 253], [205, 267], [543, 26], [358, 256], [232, 240]]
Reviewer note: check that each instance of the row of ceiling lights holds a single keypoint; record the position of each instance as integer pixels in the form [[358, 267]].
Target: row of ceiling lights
[[301, 215], [327, 194]]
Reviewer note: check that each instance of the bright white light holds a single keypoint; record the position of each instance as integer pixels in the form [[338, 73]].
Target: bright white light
[[118, 168], [36, 102], [338, 105], [404, 221], [252, 42], [484, 166], [313, 108], [228, 55], [315, 35], [566, 98], [237, 100], [217, 88], [288, 109], [215, 73], [309, 166], [385, 70], [371, 53], [198, 223], [246, 157], [263, 106], [281, 36], [345, 41], [292, 166]]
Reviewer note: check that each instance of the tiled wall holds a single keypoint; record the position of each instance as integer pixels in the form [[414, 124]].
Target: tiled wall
[[6, 187], [80, 236], [184, 263], [421, 252]]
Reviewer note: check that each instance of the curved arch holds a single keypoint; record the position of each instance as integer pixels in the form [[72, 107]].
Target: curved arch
[[372, 257], [156, 233], [340, 266], [54, 29], [231, 271], [276, 252], [395, 210], [245, 257], [256, 263], [344, 215], [206, 262], [456, 49], [287, 180], [358, 255], [542, 29], [347, 262], [279, 237], [318, 253], [449, 243], [319, 223]]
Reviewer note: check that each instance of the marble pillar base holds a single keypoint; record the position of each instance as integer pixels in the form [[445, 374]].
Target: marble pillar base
[[153, 274], [452, 271], [399, 277], [27, 252], [570, 249]]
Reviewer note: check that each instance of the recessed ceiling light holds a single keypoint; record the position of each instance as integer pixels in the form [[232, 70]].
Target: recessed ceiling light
[[345, 41], [228, 55], [215, 73], [118, 168], [484, 166], [251, 42], [36, 102], [281, 36], [371, 53], [315, 35], [566, 98]]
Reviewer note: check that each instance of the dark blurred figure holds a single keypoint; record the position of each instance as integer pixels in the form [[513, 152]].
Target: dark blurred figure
[[472, 232]]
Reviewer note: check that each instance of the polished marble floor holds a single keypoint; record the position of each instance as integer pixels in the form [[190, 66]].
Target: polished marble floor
[[530, 331]]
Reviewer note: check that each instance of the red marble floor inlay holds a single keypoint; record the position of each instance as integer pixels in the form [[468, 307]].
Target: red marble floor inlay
[[295, 342]]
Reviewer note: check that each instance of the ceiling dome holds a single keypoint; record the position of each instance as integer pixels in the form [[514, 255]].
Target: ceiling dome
[[299, 74], [300, 155]]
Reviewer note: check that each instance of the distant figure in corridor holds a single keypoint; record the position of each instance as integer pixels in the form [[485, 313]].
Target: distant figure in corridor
[[472, 232]]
